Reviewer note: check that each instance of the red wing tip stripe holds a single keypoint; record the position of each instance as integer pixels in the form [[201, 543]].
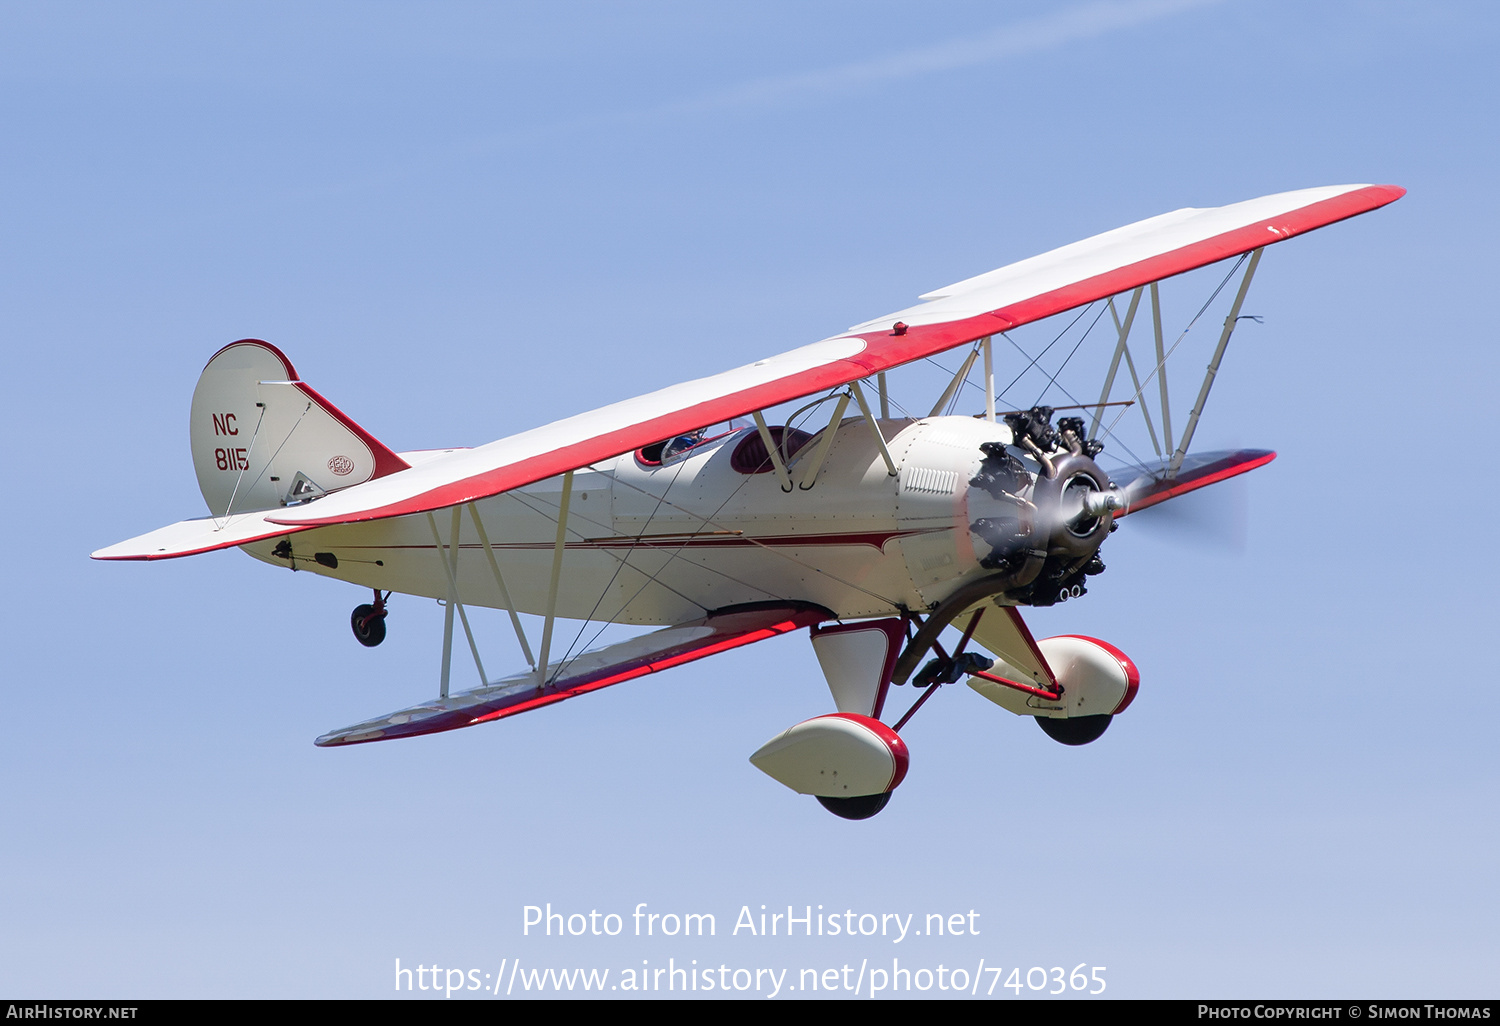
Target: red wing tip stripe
[[1389, 194]]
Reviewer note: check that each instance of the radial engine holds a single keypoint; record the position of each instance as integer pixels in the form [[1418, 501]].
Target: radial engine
[[1042, 527]]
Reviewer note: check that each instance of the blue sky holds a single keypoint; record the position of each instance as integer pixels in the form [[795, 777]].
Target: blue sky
[[462, 220]]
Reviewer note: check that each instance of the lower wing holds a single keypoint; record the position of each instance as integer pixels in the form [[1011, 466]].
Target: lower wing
[[612, 664]]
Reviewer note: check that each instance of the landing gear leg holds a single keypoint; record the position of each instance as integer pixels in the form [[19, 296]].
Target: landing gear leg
[[368, 621]]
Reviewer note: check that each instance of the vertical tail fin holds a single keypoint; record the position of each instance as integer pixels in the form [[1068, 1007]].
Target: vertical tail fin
[[262, 439]]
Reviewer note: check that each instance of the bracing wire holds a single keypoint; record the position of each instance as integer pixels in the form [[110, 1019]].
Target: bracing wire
[[1065, 362], [1043, 353], [1163, 361]]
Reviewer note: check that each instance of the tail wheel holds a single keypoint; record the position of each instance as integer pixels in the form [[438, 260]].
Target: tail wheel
[[1075, 730], [368, 624], [862, 807]]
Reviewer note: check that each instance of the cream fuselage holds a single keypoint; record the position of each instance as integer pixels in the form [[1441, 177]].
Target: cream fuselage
[[667, 543]]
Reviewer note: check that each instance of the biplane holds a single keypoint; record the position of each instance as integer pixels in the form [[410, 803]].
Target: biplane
[[686, 511]]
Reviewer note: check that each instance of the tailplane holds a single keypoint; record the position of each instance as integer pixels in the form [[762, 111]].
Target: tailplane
[[263, 439]]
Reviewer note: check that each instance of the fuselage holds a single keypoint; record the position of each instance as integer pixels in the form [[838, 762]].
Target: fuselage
[[661, 542]]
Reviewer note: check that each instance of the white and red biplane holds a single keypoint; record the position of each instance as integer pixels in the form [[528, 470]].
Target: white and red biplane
[[875, 533]]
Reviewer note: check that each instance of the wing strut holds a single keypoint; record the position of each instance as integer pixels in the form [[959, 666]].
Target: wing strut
[[809, 475], [954, 385], [989, 380], [774, 451], [449, 560], [1213, 366], [1114, 364], [1161, 367], [1130, 365], [557, 558], [510, 607], [864, 408]]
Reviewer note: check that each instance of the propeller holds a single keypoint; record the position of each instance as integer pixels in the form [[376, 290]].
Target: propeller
[[1215, 518]]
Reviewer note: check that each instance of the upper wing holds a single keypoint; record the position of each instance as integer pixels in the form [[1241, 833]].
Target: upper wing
[[1039, 287]]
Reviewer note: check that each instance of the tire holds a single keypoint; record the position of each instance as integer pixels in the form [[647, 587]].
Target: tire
[[862, 807], [1077, 730], [369, 629]]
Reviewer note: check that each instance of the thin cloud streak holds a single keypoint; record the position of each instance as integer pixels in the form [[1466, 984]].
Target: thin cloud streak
[[1077, 23], [1086, 21]]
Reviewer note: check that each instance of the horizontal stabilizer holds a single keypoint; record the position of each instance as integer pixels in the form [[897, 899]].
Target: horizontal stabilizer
[[612, 664], [1146, 487], [190, 537]]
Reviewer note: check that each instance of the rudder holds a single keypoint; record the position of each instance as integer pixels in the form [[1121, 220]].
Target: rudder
[[261, 438]]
